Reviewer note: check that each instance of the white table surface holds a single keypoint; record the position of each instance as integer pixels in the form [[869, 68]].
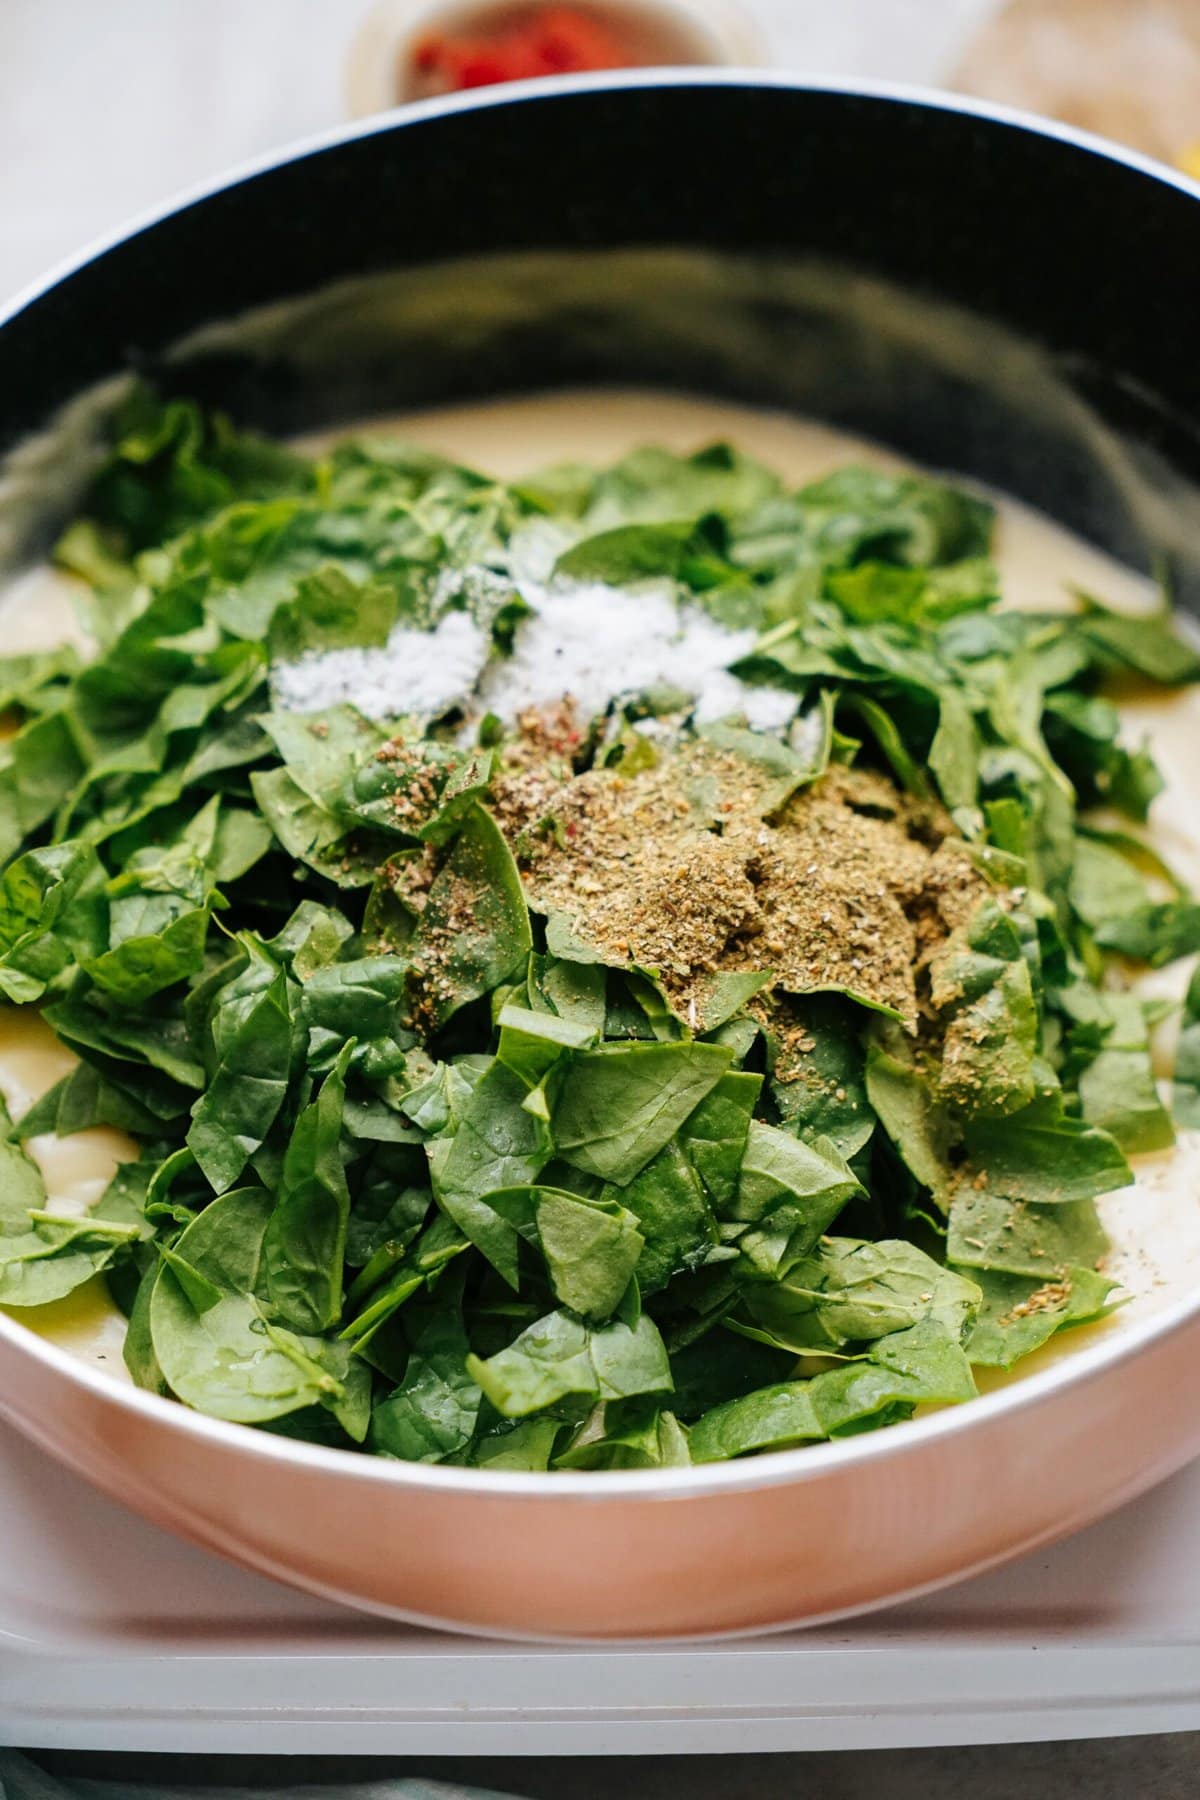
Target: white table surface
[[110, 106]]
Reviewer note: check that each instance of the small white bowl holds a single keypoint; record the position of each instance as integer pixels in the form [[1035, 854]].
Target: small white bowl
[[718, 32]]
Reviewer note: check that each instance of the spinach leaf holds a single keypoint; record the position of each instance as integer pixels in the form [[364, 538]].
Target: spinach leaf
[[362, 1000], [419, 790], [715, 1133], [496, 1144], [1019, 1314], [1083, 732], [385, 1215], [1147, 644], [26, 677], [560, 1357], [790, 1193], [954, 752], [225, 1357], [314, 834], [680, 550], [103, 1092], [1186, 1092], [652, 484], [138, 1349], [413, 1270], [144, 963], [527, 1445], [328, 611], [721, 1366], [53, 913], [591, 1247], [1157, 934], [473, 932], [628, 1434], [1105, 884], [159, 1039], [849, 1291], [304, 1244], [981, 985], [433, 1412], [231, 1119], [313, 938], [531, 1043], [1044, 1155], [1110, 1048], [172, 464], [990, 1231], [44, 1255], [616, 1107], [39, 768], [818, 1072], [921, 1366], [568, 990], [857, 513], [675, 1222]]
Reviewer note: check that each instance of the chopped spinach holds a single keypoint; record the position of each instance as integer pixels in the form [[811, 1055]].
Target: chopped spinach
[[470, 1134]]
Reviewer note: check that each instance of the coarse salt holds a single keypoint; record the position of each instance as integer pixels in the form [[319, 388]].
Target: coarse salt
[[583, 639], [593, 642], [422, 672]]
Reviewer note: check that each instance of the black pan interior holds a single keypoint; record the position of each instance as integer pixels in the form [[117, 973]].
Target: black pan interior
[[979, 294]]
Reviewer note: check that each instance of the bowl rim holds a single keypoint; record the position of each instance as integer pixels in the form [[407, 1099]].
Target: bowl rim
[[707, 1480], [552, 87]]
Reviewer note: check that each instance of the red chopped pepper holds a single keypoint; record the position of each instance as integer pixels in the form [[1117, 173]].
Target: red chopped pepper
[[547, 40]]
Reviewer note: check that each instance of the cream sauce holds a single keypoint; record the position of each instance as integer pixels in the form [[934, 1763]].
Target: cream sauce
[[1155, 1225]]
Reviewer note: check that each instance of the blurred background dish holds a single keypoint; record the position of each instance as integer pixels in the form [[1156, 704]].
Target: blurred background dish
[[410, 49], [1127, 69]]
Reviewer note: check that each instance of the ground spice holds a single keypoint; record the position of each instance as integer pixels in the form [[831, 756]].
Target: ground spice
[[850, 884], [1050, 1297]]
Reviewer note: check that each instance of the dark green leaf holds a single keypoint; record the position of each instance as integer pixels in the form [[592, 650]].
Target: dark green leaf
[[923, 1365], [560, 1357], [231, 1119], [617, 1107], [1146, 643], [591, 1247], [790, 1193], [433, 1412], [496, 1144], [474, 930], [305, 1240], [849, 1291], [990, 1231], [1019, 1314]]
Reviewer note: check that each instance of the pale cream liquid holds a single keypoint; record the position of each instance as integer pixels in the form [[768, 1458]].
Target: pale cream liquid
[[1155, 1225]]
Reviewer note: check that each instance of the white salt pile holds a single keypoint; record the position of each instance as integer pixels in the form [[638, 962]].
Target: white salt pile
[[593, 642], [422, 672], [584, 639]]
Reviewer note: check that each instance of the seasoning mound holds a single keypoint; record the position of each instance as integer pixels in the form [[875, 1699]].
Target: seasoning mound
[[674, 869]]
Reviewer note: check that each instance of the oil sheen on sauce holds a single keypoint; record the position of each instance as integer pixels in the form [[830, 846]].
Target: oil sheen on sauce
[[1155, 1225]]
